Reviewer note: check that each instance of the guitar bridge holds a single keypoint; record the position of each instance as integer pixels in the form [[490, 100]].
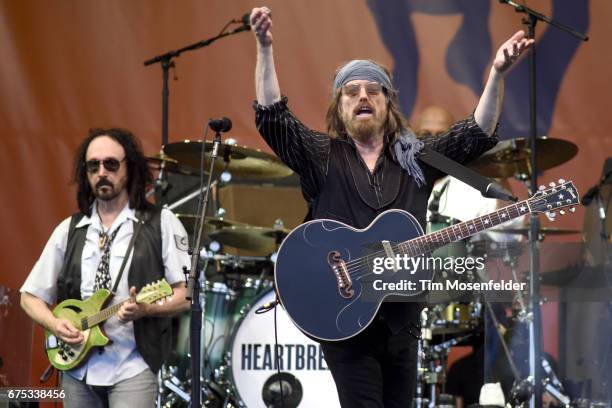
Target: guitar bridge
[[343, 279]]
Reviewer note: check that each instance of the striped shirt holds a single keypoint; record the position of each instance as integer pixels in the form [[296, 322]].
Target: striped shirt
[[307, 152]]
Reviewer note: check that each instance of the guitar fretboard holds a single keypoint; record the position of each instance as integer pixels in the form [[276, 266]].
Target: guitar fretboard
[[457, 232], [104, 314]]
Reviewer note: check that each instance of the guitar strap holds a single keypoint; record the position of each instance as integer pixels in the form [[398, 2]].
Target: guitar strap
[[137, 228], [452, 168]]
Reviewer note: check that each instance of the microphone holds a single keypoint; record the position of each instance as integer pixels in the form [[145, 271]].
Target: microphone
[[266, 307], [434, 206], [590, 195], [220, 125], [494, 190], [245, 24], [246, 20], [593, 191]]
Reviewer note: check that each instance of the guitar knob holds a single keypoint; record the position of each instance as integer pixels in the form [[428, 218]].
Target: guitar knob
[[551, 215], [561, 181], [542, 188], [572, 209], [562, 212], [552, 184]]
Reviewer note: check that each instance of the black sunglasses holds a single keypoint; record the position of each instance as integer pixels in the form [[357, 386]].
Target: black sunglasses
[[109, 164]]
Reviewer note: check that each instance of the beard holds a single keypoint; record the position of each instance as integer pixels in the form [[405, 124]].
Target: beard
[[361, 129], [105, 190]]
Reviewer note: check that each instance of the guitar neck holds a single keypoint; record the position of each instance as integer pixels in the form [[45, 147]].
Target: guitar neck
[[104, 314], [457, 232]]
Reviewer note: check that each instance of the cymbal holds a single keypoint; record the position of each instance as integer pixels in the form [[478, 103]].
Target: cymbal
[[240, 161], [250, 237], [237, 234], [512, 158], [543, 231], [168, 163]]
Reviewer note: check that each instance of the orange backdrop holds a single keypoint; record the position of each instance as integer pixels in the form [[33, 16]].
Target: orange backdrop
[[69, 65]]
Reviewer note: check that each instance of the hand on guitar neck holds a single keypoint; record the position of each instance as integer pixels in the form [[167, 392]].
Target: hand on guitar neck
[[131, 310]]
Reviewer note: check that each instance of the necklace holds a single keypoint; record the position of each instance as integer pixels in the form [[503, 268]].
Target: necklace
[[103, 239]]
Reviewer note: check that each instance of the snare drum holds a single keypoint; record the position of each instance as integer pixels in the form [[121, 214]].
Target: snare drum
[[304, 379]]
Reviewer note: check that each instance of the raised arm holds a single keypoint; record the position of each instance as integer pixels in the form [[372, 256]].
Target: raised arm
[[490, 103], [266, 82]]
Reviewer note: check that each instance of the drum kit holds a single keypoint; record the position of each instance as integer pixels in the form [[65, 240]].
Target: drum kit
[[255, 360], [248, 359]]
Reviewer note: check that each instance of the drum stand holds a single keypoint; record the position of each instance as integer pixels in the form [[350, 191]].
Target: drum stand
[[535, 324]]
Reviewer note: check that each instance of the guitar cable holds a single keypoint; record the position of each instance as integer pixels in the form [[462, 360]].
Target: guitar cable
[[280, 381], [266, 307]]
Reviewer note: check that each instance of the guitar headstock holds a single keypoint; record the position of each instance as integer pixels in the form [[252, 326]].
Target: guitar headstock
[[554, 197], [153, 292]]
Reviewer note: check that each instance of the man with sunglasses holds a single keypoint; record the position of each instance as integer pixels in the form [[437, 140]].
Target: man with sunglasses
[[367, 163], [85, 253]]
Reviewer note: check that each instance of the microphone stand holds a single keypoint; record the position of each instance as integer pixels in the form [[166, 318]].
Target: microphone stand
[[166, 62], [535, 325], [193, 287]]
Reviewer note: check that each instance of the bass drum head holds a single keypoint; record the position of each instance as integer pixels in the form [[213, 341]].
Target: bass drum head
[[304, 378]]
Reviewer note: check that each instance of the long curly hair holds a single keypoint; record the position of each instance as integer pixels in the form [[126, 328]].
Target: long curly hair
[[393, 124], [138, 172]]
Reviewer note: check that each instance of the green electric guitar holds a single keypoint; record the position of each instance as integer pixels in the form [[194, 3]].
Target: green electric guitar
[[87, 316]]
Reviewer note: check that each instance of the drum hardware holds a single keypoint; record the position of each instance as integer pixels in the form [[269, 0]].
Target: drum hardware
[[189, 197], [431, 362], [454, 317], [543, 232], [588, 403]]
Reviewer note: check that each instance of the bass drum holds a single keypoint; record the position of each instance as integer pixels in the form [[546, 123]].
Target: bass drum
[[304, 378]]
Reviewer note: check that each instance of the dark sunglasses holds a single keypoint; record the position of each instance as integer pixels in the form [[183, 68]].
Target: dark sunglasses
[[113, 165]]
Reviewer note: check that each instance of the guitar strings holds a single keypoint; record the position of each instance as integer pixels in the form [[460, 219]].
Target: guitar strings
[[356, 266]]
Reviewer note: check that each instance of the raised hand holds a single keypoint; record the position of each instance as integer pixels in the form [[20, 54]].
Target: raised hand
[[511, 51], [261, 23]]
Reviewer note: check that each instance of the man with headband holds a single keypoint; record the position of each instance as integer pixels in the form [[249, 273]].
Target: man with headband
[[367, 163]]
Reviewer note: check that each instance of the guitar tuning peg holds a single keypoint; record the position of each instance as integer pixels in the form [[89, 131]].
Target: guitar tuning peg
[[552, 184], [572, 209], [562, 212]]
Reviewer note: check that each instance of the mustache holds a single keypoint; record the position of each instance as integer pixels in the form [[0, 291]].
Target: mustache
[[104, 182]]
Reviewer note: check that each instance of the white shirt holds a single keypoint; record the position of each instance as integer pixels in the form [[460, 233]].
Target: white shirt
[[464, 203], [120, 359]]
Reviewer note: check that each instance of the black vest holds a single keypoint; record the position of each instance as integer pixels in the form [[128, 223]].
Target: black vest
[[152, 334], [348, 196]]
